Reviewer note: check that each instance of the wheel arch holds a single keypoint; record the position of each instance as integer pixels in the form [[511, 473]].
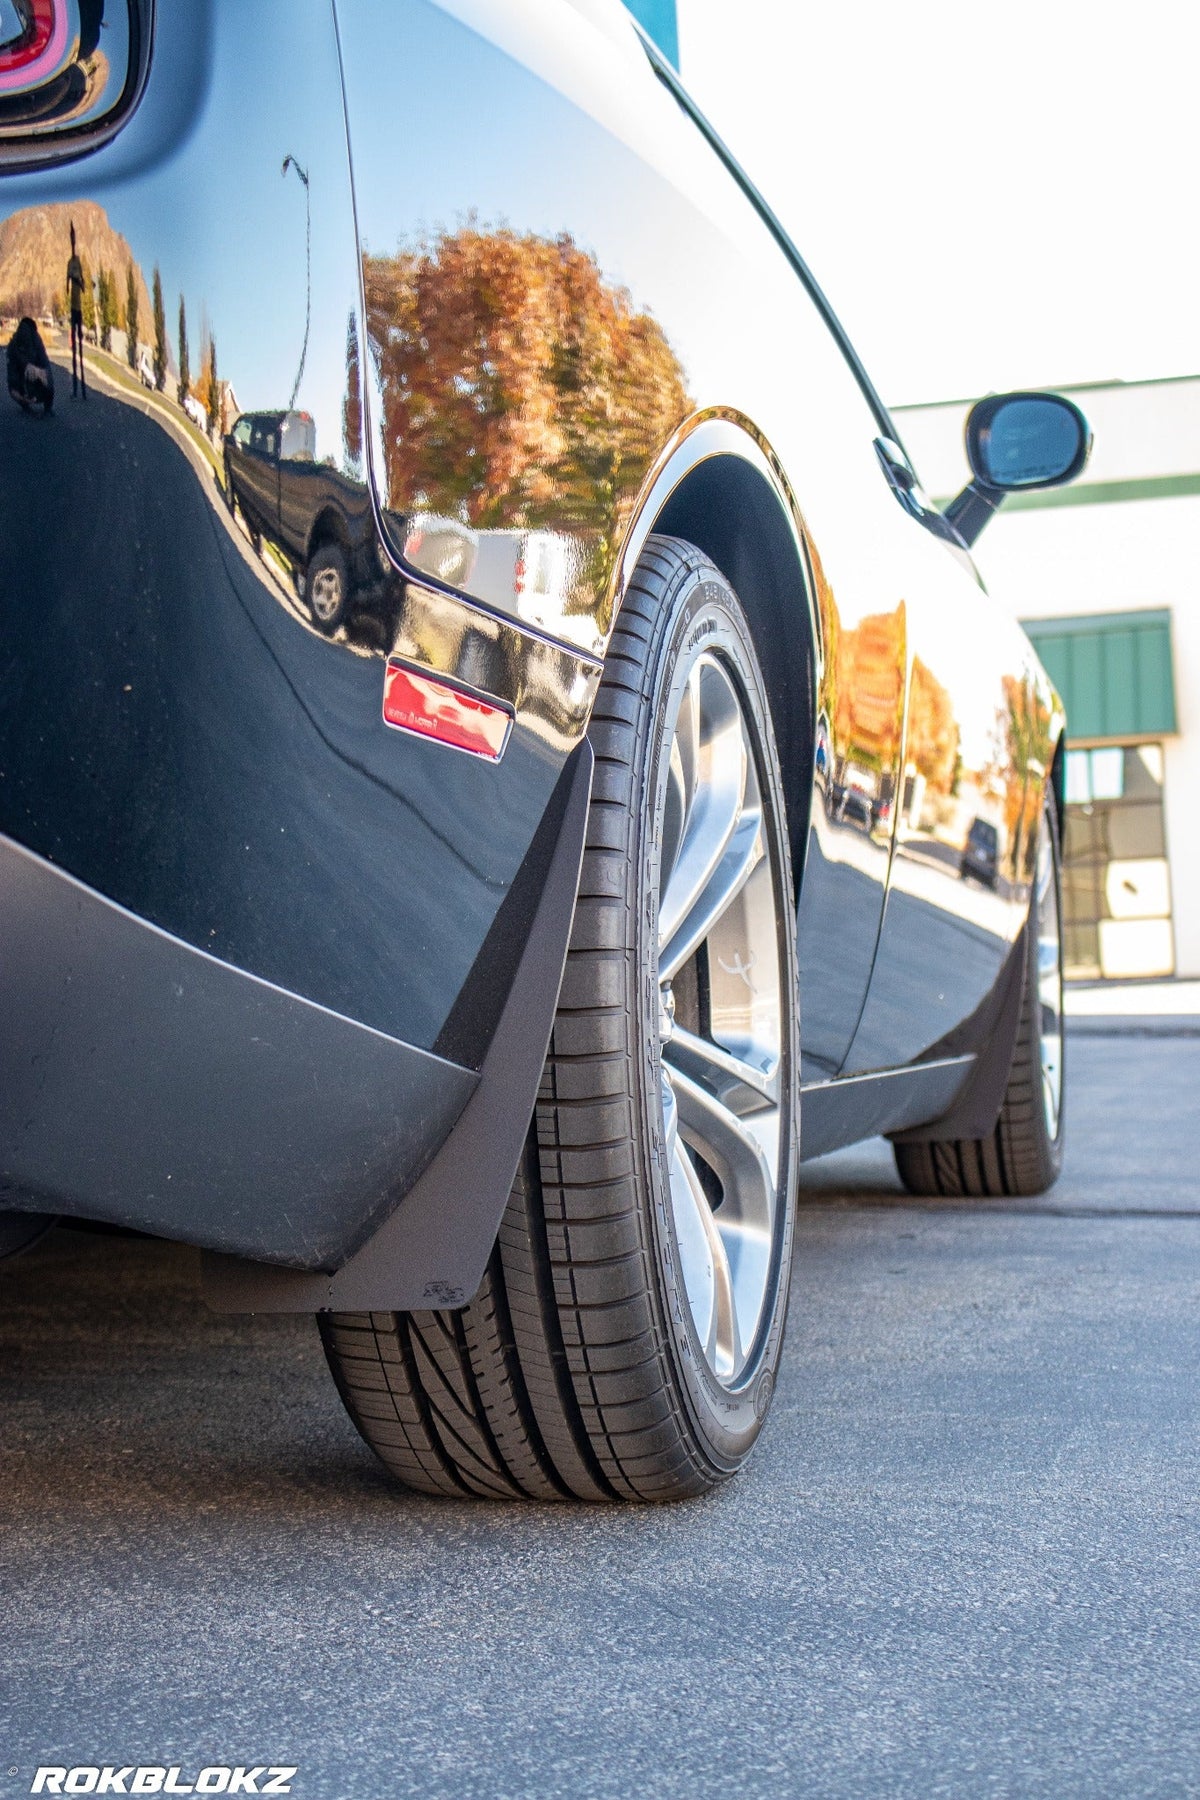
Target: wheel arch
[[719, 487], [329, 527]]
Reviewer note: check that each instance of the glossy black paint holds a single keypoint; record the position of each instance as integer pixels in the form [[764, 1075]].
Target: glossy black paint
[[174, 731], [180, 1078], [531, 315]]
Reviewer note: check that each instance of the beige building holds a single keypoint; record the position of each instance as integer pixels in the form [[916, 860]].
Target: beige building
[[1106, 577]]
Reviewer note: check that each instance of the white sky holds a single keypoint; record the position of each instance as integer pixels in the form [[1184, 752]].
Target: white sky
[[992, 195]]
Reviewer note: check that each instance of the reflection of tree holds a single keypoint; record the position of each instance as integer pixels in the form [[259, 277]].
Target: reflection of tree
[[160, 333], [131, 317], [932, 731], [213, 408], [108, 308], [207, 387], [869, 680], [1022, 754], [185, 367], [519, 388], [352, 405]]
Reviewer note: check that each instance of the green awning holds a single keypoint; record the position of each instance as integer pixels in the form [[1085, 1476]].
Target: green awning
[[1113, 671]]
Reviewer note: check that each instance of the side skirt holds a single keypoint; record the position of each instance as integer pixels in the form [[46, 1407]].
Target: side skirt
[[836, 1113]]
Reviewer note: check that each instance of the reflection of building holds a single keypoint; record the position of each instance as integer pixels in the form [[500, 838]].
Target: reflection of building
[[1105, 576]]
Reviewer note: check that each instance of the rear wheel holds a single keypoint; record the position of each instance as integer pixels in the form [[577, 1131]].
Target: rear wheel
[[1023, 1155], [625, 1341]]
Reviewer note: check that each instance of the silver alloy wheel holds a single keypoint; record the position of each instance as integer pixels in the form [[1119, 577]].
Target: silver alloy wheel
[[1049, 978], [720, 974], [325, 594]]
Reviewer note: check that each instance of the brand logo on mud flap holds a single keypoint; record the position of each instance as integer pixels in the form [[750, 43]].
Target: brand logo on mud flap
[[157, 1778], [443, 1293]]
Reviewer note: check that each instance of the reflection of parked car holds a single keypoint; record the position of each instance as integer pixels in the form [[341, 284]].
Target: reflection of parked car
[[981, 853], [853, 799], [851, 806], [318, 517], [442, 547], [196, 414], [145, 367]]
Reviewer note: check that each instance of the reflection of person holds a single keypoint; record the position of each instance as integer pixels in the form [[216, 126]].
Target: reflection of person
[[75, 295], [30, 379]]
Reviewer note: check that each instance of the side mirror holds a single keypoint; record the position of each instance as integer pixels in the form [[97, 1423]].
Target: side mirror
[[1017, 442]]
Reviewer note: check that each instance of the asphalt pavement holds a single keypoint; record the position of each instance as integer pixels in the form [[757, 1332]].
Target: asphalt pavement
[[963, 1561]]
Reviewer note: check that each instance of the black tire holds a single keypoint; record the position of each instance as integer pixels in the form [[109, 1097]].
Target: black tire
[[577, 1370], [1023, 1155], [327, 587]]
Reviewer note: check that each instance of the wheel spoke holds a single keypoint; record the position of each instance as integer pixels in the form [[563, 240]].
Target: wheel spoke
[[731, 1149], [722, 1339], [740, 1086], [713, 767], [742, 855]]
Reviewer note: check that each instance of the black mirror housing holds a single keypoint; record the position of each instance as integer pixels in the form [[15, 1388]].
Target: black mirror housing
[[1015, 444]]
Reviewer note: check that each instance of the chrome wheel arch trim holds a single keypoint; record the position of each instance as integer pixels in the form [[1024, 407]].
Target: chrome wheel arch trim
[[715, 432]]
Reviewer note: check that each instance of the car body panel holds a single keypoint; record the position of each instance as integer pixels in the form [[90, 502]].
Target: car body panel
[[532, 316]]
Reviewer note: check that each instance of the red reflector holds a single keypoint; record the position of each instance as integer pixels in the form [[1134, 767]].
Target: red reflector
[[414, 702]]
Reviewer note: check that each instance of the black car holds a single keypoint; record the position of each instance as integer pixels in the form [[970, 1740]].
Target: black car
[[478, 991], [981, 852]]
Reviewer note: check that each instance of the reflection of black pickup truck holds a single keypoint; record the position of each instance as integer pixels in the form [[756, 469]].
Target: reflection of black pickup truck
[[319, 518]]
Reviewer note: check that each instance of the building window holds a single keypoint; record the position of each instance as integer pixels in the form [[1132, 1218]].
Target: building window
[[1116, 885]]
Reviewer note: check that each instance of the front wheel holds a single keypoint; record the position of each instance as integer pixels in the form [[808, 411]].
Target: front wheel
[[1023, 1154], [627, 1337], [327, 587]]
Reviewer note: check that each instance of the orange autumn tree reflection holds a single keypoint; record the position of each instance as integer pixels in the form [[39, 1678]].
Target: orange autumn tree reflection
[[933, 736], [1024, 746], [519, 387], [868, 682]]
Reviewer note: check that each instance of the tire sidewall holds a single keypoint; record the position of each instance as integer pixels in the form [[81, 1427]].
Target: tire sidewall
[[704, 615]]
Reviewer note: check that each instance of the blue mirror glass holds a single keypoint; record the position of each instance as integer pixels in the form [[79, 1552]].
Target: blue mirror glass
[[1027, 441]]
